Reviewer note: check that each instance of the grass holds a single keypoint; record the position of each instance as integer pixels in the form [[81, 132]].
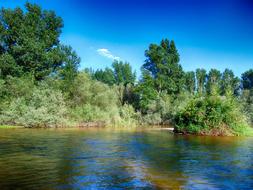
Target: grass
[[9, 127]]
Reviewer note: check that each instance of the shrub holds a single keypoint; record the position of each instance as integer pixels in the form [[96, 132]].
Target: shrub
[[18, 87], [89, 113], [92, 101], [152, 119], [44, 108], [164, 109], [212, 114], [128, 116]]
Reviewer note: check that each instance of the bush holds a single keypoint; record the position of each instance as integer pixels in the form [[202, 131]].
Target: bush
[[211, 115], [18, 87], [152, 119], [45, 107], [92, 101], [164, 109], [128, 116], [90, 113]]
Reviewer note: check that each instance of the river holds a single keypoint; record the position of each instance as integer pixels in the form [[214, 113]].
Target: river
[[122, 159]]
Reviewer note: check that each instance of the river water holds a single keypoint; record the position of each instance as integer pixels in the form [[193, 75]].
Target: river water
[[122, 159]]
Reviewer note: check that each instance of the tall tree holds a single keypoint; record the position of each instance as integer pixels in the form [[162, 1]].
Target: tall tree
[[105, 76], [69, 68], [247, 79], [29, 41], [229, 83], [201, 81], [146, 91], [247, 93], [190, 82], [162, 64], [213, 82], [123, 73]]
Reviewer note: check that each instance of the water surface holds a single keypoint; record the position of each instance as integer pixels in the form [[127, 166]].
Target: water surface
[[122, 159]]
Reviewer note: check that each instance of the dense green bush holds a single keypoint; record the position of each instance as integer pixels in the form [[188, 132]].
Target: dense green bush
[[157, 111], [88, 113], [18, 86], [214, 115], [92, 101], [42, 104], [45, 107], [164, 109], [128, 116], [13, 88]]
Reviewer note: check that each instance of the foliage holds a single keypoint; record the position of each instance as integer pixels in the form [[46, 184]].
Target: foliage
[[229, 83], [29, 42], [69, 68], [247, 79], [41, 86], [247, 102], [92, 100], [146, 91], [162, 64], [44, 107], [121, 77], [106, 76], [121, 73], [201, 80], [164, 108], [190, 82], [207, 115], [15, 87], [129, 117], [213, 82]]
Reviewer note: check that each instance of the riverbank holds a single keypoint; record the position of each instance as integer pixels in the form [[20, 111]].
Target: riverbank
[[248, 132]]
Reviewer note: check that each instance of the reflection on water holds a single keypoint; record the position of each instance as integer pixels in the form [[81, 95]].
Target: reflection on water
[[122, 159]]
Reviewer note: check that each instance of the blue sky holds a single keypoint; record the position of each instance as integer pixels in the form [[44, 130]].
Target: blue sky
[[208, 34]]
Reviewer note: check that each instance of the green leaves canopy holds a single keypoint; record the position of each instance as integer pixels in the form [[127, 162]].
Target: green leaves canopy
[[163, 66], [29, 42]]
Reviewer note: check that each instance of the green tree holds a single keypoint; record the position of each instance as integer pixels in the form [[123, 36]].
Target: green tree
[[105, 76], [247, 93], [146, 91], [8, 66], [123, 77], [29, 41], [247, 79], [190, 81], [213, 82], [201, 81], [162, 64], [93, 100], [123, 73], [69, 68], [229, 83]]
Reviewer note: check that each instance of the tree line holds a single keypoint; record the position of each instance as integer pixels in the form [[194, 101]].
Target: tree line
[[41, 84]]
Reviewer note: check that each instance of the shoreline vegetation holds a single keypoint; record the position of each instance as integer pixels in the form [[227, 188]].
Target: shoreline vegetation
[[41, 85]]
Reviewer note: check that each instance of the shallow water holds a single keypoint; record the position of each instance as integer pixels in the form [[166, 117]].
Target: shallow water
[[122, 159]]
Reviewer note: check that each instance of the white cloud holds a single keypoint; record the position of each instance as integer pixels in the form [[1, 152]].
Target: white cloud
[[106, 53]]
